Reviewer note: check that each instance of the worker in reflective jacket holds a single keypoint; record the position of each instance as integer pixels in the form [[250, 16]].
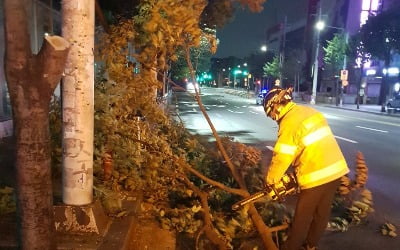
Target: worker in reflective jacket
[[305, 142]]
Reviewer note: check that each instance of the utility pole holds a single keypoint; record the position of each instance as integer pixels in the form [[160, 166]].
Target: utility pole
[[315, 71], [282, 49], [346, 37], [78, 102]]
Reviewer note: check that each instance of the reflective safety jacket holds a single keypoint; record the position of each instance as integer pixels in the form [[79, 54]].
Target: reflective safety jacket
[[305, 141]]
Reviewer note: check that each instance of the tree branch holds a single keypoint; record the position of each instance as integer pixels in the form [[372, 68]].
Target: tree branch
[[53, 56], [217, 184], [208, 227]]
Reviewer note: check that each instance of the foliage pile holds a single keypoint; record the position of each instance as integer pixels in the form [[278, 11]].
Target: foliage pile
[[353, 201], [389, 229], [187, 187]]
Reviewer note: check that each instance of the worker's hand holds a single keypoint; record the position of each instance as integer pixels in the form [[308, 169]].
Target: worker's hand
[[267, 182]]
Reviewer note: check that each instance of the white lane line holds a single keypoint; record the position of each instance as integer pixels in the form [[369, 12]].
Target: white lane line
[[362, 119], [253, 112], [270, 148], [373, 129], [236, 112], [345, 139]]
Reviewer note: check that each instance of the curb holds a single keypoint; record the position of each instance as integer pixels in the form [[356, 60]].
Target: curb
[[117, 236], [387, 114], [364, 111]]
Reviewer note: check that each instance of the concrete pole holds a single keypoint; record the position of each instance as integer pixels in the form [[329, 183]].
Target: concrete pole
[[346, 41], [78, 102], [315, 71]]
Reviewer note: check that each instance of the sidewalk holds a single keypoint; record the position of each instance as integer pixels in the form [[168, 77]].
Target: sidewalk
[[367, 108]]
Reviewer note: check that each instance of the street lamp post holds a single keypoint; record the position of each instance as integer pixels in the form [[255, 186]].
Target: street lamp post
[[320, 25]]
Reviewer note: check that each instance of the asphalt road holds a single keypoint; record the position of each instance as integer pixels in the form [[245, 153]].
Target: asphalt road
[[377, 137]]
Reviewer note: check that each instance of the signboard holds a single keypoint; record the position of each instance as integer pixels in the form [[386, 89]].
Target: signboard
[[343, 75]]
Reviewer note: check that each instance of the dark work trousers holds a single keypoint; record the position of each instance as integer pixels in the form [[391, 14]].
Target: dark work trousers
[[311, 217]]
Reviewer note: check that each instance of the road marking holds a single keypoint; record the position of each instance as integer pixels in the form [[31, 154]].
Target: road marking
[[345, 139], [270, 148], [236, 112], [363, 119], [373, 129], [253, 112], [328, 116]]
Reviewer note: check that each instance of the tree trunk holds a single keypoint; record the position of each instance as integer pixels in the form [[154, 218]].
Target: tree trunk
[[2, 78], [78, 102], [31, 82]]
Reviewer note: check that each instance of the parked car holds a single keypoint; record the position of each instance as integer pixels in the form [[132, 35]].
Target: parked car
[[260, 97], [394, 102]]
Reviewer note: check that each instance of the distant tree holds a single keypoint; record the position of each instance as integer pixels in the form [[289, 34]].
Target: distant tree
[[256, 61], [31, 81], [335, 51], [358, 55], [200, 56], [380, 37], [272, 69], [292, 67]]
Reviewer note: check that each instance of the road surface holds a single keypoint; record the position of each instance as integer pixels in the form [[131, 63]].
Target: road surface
[[377, 137]]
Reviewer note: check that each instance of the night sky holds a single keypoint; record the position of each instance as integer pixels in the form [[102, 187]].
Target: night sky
[[245, 34]]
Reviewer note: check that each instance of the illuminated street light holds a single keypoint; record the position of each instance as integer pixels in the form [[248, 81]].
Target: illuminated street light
[[320, 25], [264, 48], [396, 87]]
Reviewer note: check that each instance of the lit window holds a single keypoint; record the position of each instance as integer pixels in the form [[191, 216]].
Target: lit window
[[371, 72], [375, 5], [363, 17], [366, 4]]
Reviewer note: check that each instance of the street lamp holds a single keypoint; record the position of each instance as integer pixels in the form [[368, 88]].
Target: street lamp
[[264, 48], [320, 25]]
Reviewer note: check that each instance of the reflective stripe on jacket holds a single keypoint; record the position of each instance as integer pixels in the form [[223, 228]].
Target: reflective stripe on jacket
[[306, 142]]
